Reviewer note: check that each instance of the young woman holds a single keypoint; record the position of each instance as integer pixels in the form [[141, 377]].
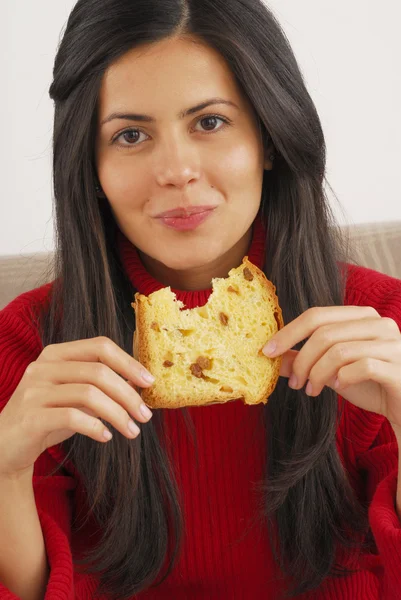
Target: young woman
[[185, 138]]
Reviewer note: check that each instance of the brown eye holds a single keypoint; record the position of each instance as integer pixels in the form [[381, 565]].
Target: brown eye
[[131, 137], [209, 122], [127, 135]]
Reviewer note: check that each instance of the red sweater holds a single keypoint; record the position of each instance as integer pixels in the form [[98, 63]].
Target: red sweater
[[222, 557]]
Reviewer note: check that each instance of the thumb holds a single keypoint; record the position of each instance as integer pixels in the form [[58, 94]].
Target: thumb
[[287, 361]]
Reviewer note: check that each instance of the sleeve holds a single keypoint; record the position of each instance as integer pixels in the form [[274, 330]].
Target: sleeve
[[377, 458], [19, 346], [380, 465]]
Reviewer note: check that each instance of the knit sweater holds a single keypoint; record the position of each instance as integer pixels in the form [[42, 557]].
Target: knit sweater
[[224, 556]]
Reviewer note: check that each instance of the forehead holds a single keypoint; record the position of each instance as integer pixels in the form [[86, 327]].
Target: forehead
[[155, 75]]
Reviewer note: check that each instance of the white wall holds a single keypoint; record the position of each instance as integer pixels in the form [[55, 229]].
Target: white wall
[[349, 53]]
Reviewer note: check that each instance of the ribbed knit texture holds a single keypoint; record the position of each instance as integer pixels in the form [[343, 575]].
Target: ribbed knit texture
[[226, 553]]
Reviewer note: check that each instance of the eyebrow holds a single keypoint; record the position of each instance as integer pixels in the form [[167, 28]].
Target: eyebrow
[[181, 115]]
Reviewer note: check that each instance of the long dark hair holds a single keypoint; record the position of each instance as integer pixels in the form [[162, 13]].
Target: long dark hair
[[130, 484]]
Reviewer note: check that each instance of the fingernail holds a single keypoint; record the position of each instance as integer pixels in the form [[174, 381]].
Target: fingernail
[[133, 427], [293, 381], [145, 411], [270, 348], [308, 389], [146, 376]]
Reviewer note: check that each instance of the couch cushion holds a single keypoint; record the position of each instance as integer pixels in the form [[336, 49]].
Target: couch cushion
[[373, 245], [19, 274], [377, 246]]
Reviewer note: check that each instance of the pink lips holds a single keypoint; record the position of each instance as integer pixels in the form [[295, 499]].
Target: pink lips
[[186, 220]]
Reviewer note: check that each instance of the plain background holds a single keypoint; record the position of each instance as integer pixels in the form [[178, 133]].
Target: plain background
[[349, 54]]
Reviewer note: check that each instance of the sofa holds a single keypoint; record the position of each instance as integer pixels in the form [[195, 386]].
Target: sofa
[[373, 245]]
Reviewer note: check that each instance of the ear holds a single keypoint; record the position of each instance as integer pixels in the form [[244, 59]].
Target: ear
[[268, 150], [268, 153], [99, 191], [268, 165]]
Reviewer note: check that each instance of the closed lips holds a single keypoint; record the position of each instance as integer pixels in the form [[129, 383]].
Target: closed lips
[[184, 213]]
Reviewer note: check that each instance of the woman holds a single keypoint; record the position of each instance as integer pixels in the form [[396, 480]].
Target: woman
[[195, 106]]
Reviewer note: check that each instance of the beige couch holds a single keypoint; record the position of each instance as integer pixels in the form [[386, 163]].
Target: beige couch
[[374, 245]]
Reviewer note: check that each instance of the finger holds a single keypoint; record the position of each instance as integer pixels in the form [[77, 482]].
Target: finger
[[313, 318], [325, 370], [327, 340], [384, 373], [373, 369], [96, 374], [102, 350], [287, 362], [73, 419], [93, 401]]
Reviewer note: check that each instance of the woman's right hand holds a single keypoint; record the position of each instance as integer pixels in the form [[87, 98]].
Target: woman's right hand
[[66, 391]]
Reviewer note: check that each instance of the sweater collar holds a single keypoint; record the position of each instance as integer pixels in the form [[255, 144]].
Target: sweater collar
[[145, 283]]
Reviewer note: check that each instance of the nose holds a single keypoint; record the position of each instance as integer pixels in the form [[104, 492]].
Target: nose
[[177, 162]]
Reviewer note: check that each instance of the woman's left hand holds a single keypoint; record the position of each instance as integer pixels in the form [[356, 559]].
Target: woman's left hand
[[351, 349]]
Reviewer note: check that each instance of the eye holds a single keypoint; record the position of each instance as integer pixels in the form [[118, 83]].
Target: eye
[[213, 118], [129, 134]]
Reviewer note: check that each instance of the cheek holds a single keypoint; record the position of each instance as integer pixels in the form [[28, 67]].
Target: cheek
[[241, 165], [124, 184]]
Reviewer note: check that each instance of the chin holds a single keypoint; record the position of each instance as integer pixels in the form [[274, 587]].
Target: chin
[[185, 264], [191, 260]]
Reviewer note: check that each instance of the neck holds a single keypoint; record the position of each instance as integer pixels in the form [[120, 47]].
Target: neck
[[198, 278], [197, 289]]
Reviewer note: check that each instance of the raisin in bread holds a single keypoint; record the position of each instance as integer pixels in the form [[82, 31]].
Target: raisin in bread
[[210, 354]]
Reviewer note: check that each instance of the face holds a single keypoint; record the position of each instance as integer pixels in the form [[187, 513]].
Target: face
[[210, 160]]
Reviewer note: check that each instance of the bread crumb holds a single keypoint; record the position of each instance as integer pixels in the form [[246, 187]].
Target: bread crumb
[[231, 289], [204, 362], [226, 388], [155, 326], [196, 370], [223, 318], [247, 274], [168, 363]]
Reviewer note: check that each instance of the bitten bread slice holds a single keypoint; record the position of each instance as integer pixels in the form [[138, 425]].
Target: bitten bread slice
[[210, 354]]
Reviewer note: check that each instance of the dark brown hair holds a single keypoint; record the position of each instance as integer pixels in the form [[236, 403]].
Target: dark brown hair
[[130, 485]]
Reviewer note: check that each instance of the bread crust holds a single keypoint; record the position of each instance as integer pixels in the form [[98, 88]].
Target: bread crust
[[142, 353]]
